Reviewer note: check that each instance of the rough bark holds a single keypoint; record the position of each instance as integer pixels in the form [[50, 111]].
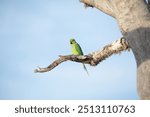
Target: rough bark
[[133, 18], [103, 5]]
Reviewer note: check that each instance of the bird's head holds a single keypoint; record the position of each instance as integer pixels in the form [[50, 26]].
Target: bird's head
[[72, 41]]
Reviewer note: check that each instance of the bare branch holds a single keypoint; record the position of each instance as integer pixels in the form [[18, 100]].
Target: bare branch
[[93, 59], [103, 5]]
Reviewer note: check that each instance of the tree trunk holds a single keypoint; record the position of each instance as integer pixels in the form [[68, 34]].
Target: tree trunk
[[133, 18]]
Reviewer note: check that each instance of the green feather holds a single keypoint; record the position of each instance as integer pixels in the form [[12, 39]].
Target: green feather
[[76, 50]]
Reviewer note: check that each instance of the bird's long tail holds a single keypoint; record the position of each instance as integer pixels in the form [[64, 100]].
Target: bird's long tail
[[85, 69]]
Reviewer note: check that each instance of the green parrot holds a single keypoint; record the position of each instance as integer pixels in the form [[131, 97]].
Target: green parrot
[[76, 50]]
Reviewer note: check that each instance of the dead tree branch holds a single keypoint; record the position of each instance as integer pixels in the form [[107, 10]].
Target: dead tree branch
[[103, 5], [93, 59]]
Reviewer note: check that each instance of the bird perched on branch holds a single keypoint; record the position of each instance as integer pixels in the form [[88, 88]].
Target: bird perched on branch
[[76, 50]]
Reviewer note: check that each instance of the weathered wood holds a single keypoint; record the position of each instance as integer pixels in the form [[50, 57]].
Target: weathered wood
[[92, 59]]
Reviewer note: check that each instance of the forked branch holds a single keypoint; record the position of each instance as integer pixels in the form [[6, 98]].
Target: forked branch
[[93, 59]]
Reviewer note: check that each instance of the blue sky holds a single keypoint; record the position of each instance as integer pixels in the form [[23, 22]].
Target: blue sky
[[34, 32]]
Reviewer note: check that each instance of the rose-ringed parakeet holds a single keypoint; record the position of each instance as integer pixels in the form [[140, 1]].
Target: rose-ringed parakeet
[[76, 50]]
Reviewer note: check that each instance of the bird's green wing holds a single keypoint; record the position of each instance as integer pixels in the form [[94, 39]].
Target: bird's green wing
[[78, 49]]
